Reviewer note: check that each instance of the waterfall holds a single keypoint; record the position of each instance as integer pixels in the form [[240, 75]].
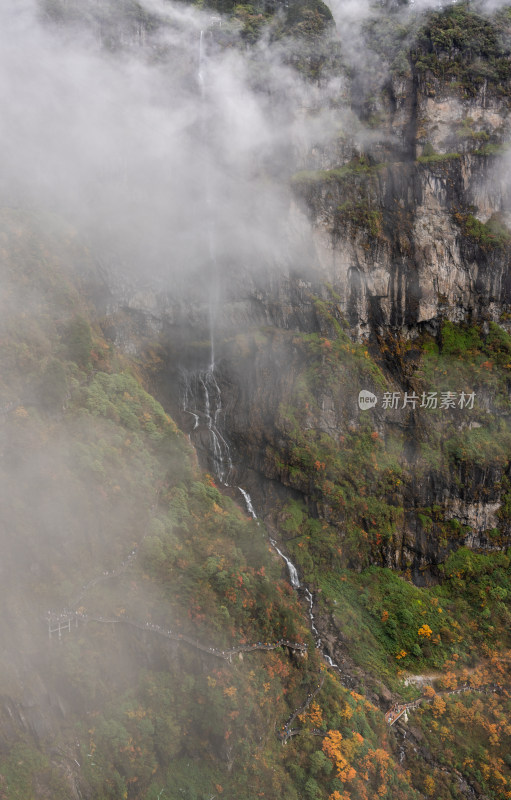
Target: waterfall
[[295, 583], [315, 632], [210, 226], [213, 406], [248, 503], [201, 398], [293, 574], [185, 404], [201, 395]]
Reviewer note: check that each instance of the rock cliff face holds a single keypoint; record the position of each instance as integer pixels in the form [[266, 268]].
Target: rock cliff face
[[383, 271], [383, 248], [392, 236], [416, 265]]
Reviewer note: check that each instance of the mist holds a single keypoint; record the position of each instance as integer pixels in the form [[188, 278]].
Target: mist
[[158, 158], [395, 23], [154, 163], [151, 146]]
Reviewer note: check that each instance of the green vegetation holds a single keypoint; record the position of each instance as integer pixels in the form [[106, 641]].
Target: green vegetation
[[77, 336], [94, 467], [152, 716], [356, 480], [348, 761], [471, 733], [466, 360], [463, 50], [460, 630], [482, 446], [355, 511], [355, 475], [307, 18], [204, 569], [357, 167], [434, 158], [460, 340], [490, 149], [24, 769], [306, 31], [382, 615], [466, 130], [488, 235], [357, 184], [359, 214], [389, 36], [252, 21]]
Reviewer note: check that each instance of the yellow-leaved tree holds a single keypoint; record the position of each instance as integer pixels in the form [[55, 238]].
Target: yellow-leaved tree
[[333, 748]]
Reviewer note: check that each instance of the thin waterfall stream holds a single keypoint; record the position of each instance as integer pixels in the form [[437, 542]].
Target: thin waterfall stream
[[248, 502], [295, 583], [201, 396]]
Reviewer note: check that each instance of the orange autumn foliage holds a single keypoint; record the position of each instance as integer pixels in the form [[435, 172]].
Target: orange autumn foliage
[[438, 706], [315, 715], [449, 680], [333, 747]]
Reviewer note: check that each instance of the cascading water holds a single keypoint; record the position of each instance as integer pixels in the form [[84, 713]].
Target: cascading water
[[202, 399], [210, 224], [295, 583], [187, 400], [201, 396], [315, 632], [293, 573], [248, 503]]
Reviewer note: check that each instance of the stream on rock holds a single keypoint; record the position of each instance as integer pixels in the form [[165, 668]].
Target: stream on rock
[[201, 396], [202, 399]]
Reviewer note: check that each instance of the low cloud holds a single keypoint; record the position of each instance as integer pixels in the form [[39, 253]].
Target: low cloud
[[154, 163]]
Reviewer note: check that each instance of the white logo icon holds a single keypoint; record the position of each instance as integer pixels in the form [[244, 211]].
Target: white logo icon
[[366, 400]]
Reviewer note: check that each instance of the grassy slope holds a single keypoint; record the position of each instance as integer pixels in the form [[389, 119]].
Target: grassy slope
[[359, 481], [119, 472], [93, 467]]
